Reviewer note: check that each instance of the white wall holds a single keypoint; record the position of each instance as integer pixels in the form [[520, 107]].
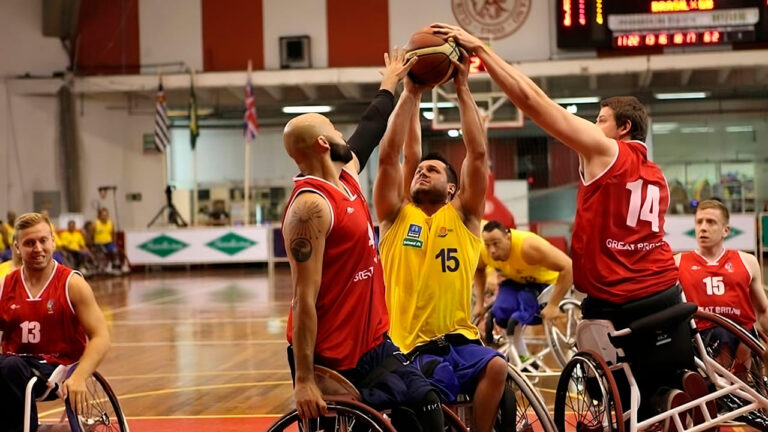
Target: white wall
[[295, 18], [171, 31]]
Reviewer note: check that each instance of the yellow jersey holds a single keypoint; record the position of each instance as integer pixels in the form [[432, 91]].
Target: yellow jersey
[[429, 263], [515, 267], [5, 268], [73, 241], [10, 231], [102, 232]]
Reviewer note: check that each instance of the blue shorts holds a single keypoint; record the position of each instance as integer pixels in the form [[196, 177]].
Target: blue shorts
[[517, 301], [403, 386], [109, 247], [456, 372]]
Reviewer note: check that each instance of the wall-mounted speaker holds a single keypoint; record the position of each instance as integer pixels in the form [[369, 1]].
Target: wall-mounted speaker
[[295, 52]]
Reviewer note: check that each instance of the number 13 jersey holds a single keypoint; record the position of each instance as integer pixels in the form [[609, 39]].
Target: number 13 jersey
[[429, 263], [45, 326], [618, 248]]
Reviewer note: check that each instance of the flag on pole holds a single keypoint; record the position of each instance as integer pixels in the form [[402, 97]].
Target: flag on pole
[[162, 134], [251, 121], [193, 128]]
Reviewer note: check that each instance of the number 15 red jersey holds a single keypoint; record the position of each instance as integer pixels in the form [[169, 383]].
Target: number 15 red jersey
[[618, 248]]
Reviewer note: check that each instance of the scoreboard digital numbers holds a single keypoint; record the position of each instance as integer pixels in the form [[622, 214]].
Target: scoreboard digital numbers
[[632, 24]]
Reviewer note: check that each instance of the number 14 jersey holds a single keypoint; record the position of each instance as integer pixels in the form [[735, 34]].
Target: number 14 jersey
[[618, 248]]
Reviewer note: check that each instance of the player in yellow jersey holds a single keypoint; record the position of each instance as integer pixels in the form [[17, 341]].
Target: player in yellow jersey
[[429, 247], [104, 238], [528, 264], [7, 232], [73, 244]]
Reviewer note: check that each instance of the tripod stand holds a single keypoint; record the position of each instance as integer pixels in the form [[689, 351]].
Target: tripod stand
[[174, 217]]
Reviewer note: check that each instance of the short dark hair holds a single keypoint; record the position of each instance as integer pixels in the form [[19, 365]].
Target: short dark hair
[[717, 205], [629, 109], [450, 172], [493, 225]]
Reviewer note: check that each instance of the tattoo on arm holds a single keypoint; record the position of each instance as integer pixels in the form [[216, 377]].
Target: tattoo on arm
[[305, 223]]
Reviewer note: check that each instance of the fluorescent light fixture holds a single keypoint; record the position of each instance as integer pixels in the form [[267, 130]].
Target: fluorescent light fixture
[[453, 133], [577, 100], [427, 105], [201, 112], [697, 129], [663, 127], [303, 109], [747, 128], [687, 95], [573, 109], [429, 115]]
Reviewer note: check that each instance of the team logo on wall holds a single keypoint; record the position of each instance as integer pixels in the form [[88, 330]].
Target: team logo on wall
[[491, 19]]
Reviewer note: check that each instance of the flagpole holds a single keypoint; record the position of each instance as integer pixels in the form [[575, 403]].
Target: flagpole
[[164, 169], [247, 176], [194, 160]]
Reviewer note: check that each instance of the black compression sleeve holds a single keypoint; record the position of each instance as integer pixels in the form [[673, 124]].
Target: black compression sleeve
[[372, 125]]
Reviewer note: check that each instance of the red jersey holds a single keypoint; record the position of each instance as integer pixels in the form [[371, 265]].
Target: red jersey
[[351, 310], [720, 287], [45, 326], [618, 248]]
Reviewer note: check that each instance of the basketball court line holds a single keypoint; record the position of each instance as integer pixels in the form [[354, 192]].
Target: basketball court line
[[196, 321], [208, 373], [194, 342]]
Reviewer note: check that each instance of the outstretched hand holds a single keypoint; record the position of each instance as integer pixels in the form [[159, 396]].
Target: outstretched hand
[[395, 68], [462, 69], [462, 37]]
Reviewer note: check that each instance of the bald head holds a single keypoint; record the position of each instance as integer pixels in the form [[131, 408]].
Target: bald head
[[313, 135], [302, 131]]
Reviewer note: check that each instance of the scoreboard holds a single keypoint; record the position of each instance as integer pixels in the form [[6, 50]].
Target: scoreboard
[[633, 24]]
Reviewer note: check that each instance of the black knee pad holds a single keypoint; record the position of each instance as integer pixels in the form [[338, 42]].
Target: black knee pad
[[405, 419], [511, 324], [430, 412]]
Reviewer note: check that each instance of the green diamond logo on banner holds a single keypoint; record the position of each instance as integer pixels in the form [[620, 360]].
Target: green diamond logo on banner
[[163, 245], [231, 243], [734, 233]]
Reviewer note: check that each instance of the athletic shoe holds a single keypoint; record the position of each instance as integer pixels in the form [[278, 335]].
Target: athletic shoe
[[696, 387]]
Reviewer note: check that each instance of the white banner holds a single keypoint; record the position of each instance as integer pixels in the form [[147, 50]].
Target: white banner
[[680, 232], [197, 245]]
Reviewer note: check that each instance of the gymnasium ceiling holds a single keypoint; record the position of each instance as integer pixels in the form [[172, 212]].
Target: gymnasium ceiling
[[735, 81]]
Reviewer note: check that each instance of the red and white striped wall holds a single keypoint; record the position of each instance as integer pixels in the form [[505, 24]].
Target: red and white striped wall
[[121, 36]]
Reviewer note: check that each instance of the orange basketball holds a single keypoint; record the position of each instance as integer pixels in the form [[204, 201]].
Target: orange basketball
[[434, 66]]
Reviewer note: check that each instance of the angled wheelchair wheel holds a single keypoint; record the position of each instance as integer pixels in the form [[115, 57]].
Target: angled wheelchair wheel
[[522, 408], [343, 416], [103, 412], [587, 399], [745, 361], [561, 335]]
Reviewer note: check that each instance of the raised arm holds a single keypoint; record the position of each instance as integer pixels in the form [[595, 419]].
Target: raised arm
[[412, 151], [373, 123], [579, 134], [470, 201], [388, 189], [92, 320], [306, 225]]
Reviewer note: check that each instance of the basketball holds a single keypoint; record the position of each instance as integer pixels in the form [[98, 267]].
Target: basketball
[[434, 66]]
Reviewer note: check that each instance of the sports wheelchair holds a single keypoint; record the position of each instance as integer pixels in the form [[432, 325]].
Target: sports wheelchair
[[522, 409], [548, 353], [103, 412], [732, 389]]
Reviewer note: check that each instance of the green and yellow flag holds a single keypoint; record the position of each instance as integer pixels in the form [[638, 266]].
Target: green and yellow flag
[[193, 129]]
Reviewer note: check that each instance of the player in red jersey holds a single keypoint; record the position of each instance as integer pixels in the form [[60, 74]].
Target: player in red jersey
[[620, 258], [338, 315], [46, 312], [723, 281]]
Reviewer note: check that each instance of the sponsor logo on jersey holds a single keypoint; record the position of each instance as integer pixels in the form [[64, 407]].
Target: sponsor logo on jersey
[[350, 210], [363, 274], [414, 231], [695, 267], [729, 267], [15, 306], [49, 306], [442, 232], [413, 243]]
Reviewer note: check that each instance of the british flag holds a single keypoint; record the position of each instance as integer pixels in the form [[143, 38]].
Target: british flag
[[251, 121]]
